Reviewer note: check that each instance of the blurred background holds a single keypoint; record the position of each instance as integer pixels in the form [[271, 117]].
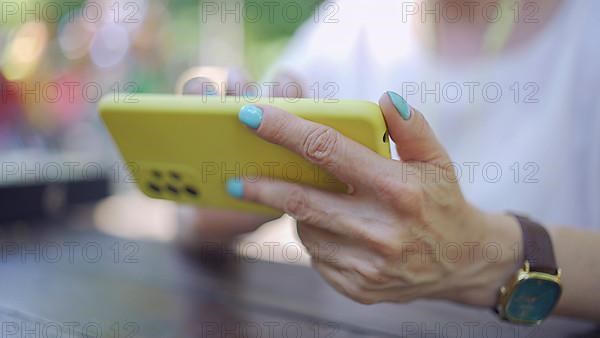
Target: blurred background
[[58, 58], [59, 166], [50, 47]]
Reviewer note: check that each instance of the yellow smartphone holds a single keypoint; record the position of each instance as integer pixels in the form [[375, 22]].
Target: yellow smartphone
[[185, 148]]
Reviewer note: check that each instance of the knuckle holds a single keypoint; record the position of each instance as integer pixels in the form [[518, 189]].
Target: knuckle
[[320, 144], [297, 205], [371, 277]]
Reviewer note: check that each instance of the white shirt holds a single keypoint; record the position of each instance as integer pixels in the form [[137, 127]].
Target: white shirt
[[546, 144]]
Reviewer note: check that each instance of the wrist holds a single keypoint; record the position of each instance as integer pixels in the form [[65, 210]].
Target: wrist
[[497, 256]]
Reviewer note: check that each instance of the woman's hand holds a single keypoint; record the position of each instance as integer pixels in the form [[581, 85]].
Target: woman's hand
[[403, 231]]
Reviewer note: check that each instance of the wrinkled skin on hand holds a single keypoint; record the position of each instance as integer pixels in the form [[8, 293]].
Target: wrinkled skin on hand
[[400, 232]]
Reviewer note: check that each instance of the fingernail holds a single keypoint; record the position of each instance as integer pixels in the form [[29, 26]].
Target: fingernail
[[400, 104], [235, 187], [251, 116]]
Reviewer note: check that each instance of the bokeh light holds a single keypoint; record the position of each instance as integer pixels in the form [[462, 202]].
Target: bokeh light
[[24, 51], [109, 45]]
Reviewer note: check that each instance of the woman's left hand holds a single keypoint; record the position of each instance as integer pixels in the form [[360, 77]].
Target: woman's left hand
[[404, 230]]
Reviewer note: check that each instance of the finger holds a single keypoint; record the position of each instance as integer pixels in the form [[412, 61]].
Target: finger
[[332, 249], [232, 85], [208, 225], [344, 255], [335, 278], [346, 285], [342, 157], [197, 86], [322, 209], [414, 138], [363, 290], [323, 246]]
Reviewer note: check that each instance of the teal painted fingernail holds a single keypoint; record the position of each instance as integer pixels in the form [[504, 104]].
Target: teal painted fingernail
[[251, 116], [235, 187], [400, 104]]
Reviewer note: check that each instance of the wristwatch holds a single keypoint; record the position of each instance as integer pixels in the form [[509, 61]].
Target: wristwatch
[[532, 293]]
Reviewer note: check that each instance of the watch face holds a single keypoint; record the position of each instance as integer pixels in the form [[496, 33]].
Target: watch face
[[532, 299]]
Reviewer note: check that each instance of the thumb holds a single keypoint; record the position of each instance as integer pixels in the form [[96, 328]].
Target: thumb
[[414, 138]]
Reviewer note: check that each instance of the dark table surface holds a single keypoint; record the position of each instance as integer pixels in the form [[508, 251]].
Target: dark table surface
[[64, 280]]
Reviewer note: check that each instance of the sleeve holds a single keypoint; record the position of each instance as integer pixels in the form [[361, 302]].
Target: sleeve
[[586, 111], [593, 171]]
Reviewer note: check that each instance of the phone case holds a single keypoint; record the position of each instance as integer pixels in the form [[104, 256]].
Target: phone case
[[184, 148]]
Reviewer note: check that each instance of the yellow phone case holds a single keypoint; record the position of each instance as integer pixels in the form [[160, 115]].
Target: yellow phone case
[[184, 148]]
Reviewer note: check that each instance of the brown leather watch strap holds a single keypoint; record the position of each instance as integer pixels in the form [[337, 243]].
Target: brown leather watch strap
[[537, 246]]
